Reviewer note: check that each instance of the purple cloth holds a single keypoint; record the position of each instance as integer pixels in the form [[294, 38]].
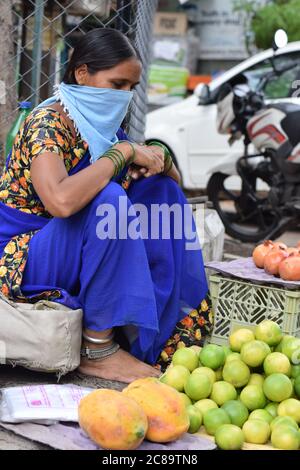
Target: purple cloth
[[244, 268], [71, 437]]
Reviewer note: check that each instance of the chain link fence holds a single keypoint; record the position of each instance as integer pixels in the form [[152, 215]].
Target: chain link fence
[[43, 33]]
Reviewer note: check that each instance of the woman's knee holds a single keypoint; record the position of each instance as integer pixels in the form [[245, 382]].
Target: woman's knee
[[111, 194], [162, 187]]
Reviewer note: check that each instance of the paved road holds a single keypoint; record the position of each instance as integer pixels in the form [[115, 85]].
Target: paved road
[[291, 238]]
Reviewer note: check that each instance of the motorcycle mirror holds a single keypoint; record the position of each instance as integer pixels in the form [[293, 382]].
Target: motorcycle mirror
[[280, 39], [203, 94]]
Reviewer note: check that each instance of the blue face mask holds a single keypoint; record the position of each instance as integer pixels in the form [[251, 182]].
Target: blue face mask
[[97, 113]]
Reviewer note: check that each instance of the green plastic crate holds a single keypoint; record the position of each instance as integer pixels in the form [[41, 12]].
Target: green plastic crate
[[237, 304]]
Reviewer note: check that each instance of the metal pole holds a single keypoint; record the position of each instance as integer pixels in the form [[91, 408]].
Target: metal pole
[[37, 50], [125, 7]]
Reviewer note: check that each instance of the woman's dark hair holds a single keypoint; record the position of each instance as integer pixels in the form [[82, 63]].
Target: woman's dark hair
[[100, 49]]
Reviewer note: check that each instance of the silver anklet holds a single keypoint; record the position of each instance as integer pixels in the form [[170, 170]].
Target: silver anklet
[[92, 340], [96, 354]]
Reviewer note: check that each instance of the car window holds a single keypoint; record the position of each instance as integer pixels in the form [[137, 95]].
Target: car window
[[280, 86], [257, 72]]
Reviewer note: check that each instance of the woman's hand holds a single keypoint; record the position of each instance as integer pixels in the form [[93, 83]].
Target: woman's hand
[[150, 159], [136, 171]]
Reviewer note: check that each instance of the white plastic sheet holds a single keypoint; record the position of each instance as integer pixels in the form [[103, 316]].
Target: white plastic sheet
[[44, 404]]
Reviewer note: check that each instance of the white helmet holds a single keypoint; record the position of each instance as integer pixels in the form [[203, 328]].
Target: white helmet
[[230, 103], [225, 116]]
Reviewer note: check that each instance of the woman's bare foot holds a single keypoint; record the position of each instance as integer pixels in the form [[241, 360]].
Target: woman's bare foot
[[120, 366]]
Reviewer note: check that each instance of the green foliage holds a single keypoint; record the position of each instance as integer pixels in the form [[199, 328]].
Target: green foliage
[[248, 7], [284, 14], [247, 10]]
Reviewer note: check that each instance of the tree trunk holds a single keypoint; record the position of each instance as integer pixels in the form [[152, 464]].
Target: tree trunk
[[8, 93]]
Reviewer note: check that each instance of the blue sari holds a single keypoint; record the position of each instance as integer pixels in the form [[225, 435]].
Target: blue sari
[[147, 285]]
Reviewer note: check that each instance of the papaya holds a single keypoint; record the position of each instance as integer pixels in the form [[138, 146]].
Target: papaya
[[167, 416], [113, 420]]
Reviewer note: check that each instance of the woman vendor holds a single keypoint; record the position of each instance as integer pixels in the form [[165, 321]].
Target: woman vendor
[[142, 297]]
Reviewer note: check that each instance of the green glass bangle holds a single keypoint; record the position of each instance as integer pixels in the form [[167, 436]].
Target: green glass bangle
[[116, 164], [168, 166], [118, 155], [117, 158], [159, 144], [132, 158], [116, 171]]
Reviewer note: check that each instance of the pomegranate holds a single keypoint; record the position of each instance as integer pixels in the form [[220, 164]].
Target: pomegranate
[[273, 259], [289, 268], [260, 252]]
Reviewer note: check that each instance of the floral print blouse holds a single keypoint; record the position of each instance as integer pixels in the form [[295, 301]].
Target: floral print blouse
[[44, 130]]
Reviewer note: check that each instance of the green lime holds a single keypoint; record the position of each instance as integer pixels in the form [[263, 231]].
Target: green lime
[[277, 363], [213, 419], [277, 387], [236, 373], [261, 414], [256, 379], [286, 420], [229, 437], [239, 337], [237, 412], [233, 357], [212, 356], [176, 377], [254, 353], [295, 371], [223, 392], [206, 371], [269, 332], [198, 386], [195, 418], [272, 409], [292, 350], [205, 405], [297, 386], [219, 374], [253, 397], [285, 438], [256, 431], [226, 350], [290, 407], [186, 357]]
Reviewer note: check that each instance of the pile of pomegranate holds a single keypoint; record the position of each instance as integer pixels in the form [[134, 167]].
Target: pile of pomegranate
[[277, 259]]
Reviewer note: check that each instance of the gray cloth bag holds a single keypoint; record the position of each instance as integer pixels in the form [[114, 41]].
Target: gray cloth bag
[[45, 336]]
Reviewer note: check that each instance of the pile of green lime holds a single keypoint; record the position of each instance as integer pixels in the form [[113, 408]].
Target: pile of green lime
[[248, 391]]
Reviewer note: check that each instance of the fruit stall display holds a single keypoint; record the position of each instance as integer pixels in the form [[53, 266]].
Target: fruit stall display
[[246, 300], [246, 393]]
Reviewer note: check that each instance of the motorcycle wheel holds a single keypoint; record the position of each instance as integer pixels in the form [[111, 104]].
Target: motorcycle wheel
[[243, 218]]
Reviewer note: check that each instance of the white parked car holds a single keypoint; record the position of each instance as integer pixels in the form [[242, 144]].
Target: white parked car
[[189, 128]]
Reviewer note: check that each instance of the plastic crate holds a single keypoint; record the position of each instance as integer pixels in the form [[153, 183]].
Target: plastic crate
[[238, 304]]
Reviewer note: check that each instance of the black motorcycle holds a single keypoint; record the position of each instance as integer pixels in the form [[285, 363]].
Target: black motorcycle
[[268, 201]]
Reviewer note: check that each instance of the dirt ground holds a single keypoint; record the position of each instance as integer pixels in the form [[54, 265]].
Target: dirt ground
[[18, 376]]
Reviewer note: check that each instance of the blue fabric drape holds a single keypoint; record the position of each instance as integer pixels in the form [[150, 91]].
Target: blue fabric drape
[[151, 284]]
